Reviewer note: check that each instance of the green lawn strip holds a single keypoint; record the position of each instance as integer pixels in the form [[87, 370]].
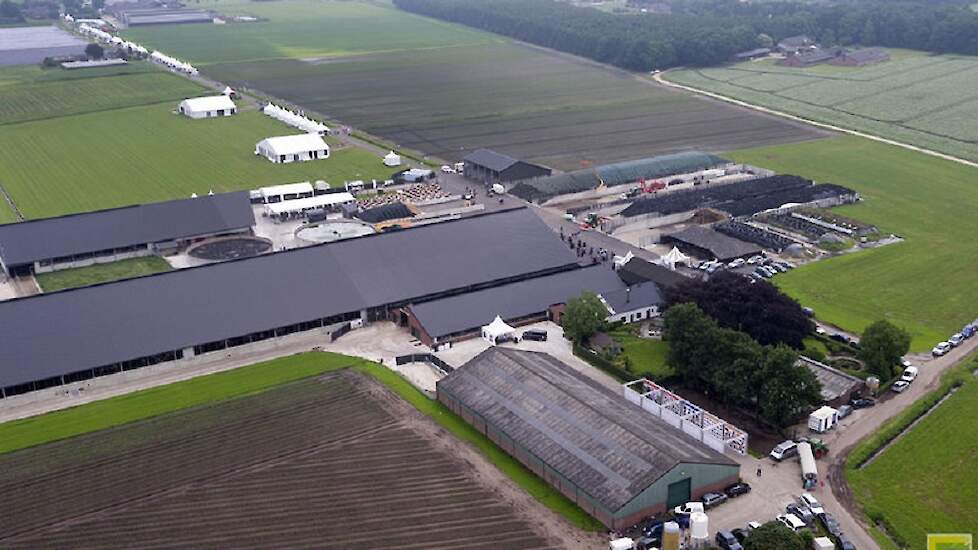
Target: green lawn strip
[[148, 154], [101, 273], [926, 481], [647, 357], [252, 379], [928, 201]]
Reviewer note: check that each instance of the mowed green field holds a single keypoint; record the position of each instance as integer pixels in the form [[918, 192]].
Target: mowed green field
[[927, 481], [31, 93], [302, 29], [925, 284], [147, 154], [927, 100], [101, 273]]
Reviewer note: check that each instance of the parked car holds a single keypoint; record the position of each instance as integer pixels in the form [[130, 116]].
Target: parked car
[[844, 411], [909, 374], [802, 512], [727, 541], [736, 263], [537, 335], [955, 340], [899, 386], [751, 525], [831, 525], [862, 403], [792, 522], [808, 311], [785, 449], [906, 362], [446, 169], [688, 508], [846, 544], [755, 260], [739, 534], [968, 331], [711, 500], [812, 503], [841, 338], [737, 489], [941, 349]]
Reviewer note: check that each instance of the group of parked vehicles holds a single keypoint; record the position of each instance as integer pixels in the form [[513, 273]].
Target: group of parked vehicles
[[956, 339], [910, 373], [765, 267], [805, 512]]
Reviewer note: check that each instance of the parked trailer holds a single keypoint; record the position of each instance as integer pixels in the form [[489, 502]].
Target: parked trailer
[[809, 471]]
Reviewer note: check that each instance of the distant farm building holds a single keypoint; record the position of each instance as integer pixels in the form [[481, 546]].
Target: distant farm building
[[793, 44], [207, 107], [756, 53], [837, 387], [490, 167], [704, 242], [617, 462], [861, 58], [110, 235], [134, 17], [298, 148], [814, 56], [637, 271], [25, 45]]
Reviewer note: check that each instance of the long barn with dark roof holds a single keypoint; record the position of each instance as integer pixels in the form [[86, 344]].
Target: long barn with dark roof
[[617, 462]]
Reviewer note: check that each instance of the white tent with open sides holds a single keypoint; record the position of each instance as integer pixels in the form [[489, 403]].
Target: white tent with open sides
[[673, 258], [392, 159], [498, 331]]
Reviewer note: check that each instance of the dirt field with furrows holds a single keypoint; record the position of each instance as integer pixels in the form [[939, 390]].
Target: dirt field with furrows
[[528, 102], [337, 462]]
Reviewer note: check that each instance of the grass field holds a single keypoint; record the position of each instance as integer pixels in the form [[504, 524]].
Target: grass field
[[145, 154], [101, 273], [524, 101], [116, 411], [647, 357], [925, 284], [918, 98], [30, 93], [926, 482], [302, 29]]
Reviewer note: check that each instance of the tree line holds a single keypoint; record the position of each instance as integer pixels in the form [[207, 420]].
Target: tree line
[[710, 32]]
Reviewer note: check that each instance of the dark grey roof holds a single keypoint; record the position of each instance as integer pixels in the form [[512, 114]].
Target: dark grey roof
[[818, 55], [718, 244], [835, 383], [386, 212], [75, 330], [638, 270], [497, 162], [795, 41], [512, 301], [605, 445], [634, 297], [753, 53], [30, 241]]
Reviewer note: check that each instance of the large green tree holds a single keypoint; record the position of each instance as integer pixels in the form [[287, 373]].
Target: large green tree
[[690, 334], [773, 535], [786, 389], [882, 346], [583, 316]]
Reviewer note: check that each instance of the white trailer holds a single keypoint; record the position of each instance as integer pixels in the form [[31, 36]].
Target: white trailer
[[823, 419], [809, 471]]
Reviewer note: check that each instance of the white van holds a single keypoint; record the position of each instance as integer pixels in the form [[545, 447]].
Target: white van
[[909, 374], [688, 508], [785, 449], [792, 522]]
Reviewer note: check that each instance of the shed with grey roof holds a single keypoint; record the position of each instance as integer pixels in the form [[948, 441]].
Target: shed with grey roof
[[706, 243], [109, 235], [837, 386], [616, 461], [490, 167]]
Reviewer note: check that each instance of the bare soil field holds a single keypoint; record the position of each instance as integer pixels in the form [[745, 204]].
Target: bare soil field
[[524, 101], [334, 462]]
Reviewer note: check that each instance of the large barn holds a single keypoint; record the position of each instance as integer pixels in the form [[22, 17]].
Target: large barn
[[297, 148], [616, 461], [490, 167], [207, 107], [104, 236]]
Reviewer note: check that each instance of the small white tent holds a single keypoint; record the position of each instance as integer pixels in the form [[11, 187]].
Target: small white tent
[[620, 261], [498, 331], [392, 159], [673, 258]]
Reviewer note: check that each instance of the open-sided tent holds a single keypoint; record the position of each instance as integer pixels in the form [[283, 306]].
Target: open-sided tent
[[498, 331], [392, 159], [673, 258]]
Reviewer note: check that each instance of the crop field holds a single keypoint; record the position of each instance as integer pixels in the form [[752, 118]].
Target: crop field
[[524, 101], [941, 495], [101, 273], [32, 94], [286, 467], [926, 100], [302, 29], [924, 284], [144, 154]]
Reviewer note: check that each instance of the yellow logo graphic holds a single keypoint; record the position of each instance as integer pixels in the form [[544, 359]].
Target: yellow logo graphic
[[949, 541]]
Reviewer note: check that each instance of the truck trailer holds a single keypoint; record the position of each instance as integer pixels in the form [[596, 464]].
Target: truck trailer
[[809, 471]]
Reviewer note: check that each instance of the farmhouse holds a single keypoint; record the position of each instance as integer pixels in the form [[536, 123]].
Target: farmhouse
[[704, 242], [814, 56], [617, 462], [490, 167], [109, 235], [837, 387], [284, 149], [63, 337], [861, 58], [792, 44], [207, 107]]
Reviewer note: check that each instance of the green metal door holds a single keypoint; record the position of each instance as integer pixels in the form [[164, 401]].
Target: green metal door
[[678, 493]]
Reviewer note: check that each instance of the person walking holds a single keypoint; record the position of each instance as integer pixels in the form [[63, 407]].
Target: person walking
[[758, 471]]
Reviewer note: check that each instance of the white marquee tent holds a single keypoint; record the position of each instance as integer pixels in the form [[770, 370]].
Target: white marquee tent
[[673, 258], [293, 148], [497, 331], [286, 191], [392, 159], [299, 205], [206, 107]]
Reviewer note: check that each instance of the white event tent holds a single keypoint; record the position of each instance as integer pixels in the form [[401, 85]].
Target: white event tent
[[497, 331]]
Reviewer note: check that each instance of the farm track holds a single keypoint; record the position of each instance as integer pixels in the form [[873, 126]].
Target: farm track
[[314, 465]]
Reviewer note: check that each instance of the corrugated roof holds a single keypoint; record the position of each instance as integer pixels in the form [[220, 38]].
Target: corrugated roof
[[75, 330], [605, 445], [835, 383], [638, 270], [721, 246], [30, 241], [635, 297], [497, 162], [512, 301]]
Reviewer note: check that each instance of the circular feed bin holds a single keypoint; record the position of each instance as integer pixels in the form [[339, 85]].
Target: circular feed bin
[[333, 230], [699, 529], [229, 248]]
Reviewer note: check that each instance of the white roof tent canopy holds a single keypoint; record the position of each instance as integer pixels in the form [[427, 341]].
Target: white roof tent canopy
[[497, 329], [674, 257], [392, 159], [286, 189], [209, 103], [298, 205], [294, 145]]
